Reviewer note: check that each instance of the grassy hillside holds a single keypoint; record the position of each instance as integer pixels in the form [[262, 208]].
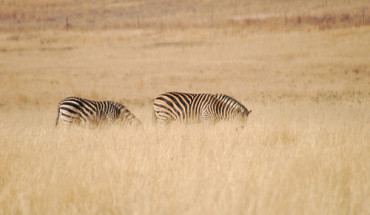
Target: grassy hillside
[[112, 14], [304, 150]]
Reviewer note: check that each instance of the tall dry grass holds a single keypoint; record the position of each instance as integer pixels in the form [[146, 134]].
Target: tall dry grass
[[305, 149], [293, 157]]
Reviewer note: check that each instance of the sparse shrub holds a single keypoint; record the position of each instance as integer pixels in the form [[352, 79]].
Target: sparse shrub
[[299, 20], [345, 17]]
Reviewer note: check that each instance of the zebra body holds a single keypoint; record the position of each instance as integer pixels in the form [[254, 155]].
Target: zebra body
[[74, 110], [187, 107]]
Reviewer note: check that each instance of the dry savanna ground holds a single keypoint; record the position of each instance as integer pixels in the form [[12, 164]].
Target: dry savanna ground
[[303, 67]]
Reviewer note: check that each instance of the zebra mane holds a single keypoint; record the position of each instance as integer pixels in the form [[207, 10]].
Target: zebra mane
[[231, 102]]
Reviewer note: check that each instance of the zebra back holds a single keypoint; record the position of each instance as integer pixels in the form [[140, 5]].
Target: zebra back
[[179, 106], [75, 110]]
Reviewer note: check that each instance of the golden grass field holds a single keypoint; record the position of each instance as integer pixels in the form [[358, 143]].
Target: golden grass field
[[304, 150]]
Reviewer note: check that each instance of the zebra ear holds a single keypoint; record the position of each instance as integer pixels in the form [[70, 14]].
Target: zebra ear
[[249, 112]]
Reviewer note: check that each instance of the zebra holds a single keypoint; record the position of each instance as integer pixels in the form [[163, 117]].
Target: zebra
[[75, 110], [205, 107]]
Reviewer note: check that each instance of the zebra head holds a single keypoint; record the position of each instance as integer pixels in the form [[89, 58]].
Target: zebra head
[[126, 117], [243, 114], [237, 111]]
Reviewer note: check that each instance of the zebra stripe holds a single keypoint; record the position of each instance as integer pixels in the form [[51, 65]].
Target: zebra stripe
[[74, 110], [187, 107]]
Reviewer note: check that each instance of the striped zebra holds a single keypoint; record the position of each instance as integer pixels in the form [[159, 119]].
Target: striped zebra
[[74, 110], [187, 107]]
